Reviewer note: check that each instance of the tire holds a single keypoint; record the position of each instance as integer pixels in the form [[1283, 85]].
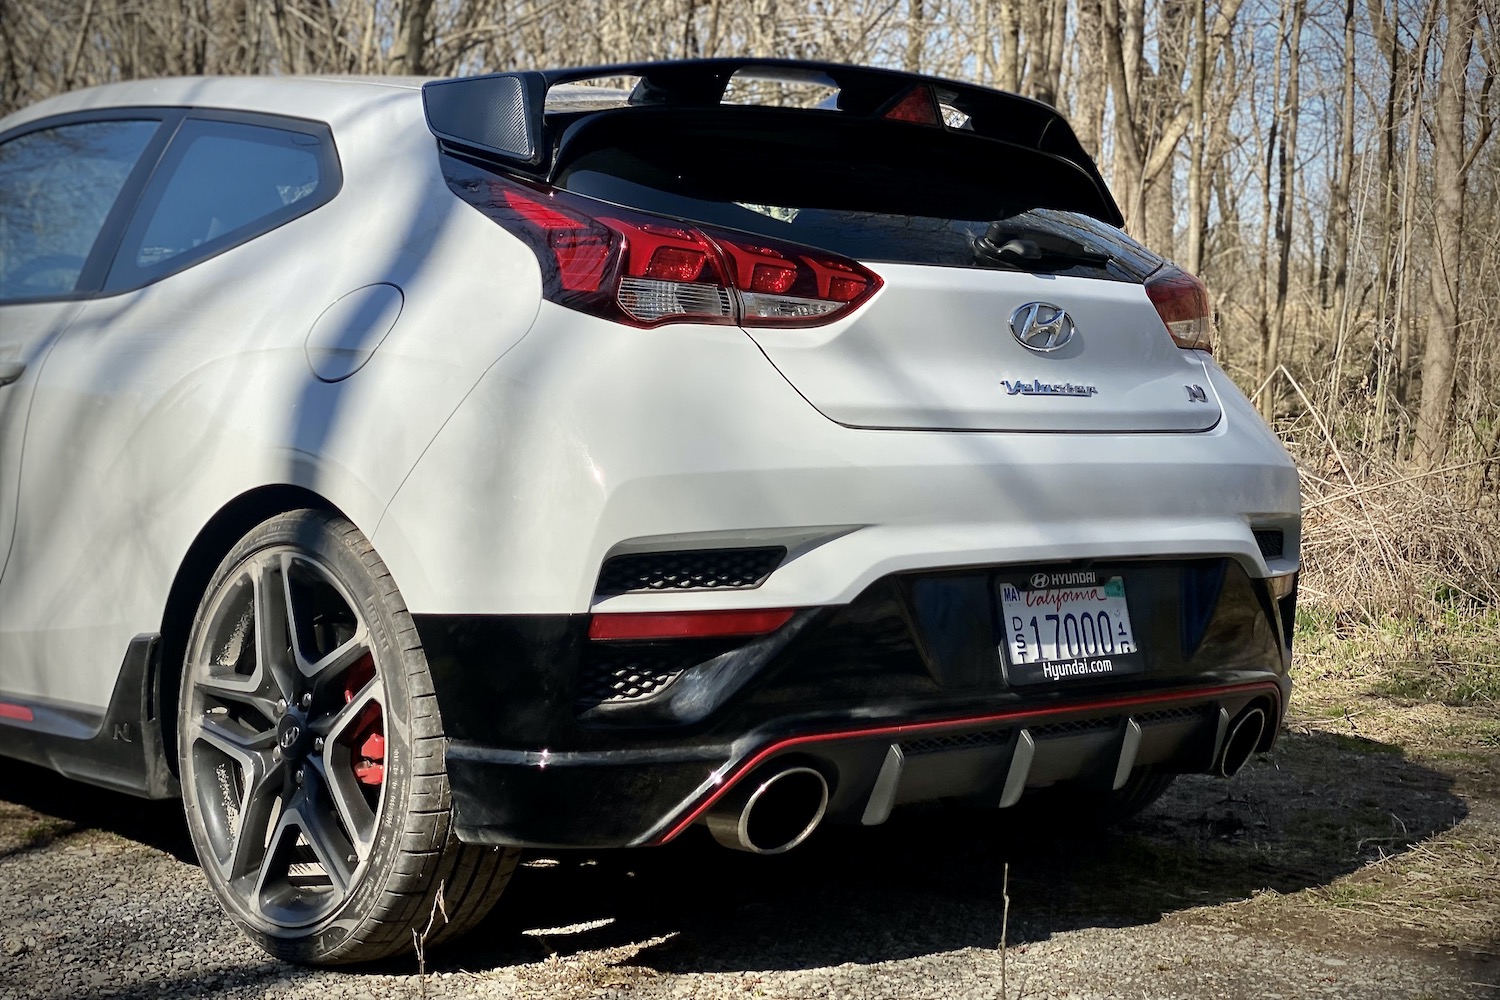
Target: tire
[[312, 754]]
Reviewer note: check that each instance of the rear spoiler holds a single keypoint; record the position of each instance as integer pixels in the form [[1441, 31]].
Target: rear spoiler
[[502, 115]]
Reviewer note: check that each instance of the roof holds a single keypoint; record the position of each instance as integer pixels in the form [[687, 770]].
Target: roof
[[323, 97]]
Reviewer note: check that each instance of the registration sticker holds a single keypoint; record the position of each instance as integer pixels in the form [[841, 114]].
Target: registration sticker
[[1059, 633]]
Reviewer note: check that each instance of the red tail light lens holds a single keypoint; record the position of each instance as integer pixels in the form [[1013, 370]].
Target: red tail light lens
[[579, 248], [645, 271], [1182, 301]]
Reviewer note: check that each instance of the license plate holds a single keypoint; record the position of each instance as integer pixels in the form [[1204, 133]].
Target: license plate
[[1060, 633]]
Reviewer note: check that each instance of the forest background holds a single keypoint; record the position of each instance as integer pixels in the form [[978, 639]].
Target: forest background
[[1326, 165]]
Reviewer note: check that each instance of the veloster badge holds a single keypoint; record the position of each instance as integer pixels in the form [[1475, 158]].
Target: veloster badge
[[1036, 387]]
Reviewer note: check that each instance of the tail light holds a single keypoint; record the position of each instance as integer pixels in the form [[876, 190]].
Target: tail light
[[646, 271], [1182, 301]]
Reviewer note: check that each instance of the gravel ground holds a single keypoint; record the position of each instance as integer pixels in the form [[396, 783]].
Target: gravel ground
[[101, 899]]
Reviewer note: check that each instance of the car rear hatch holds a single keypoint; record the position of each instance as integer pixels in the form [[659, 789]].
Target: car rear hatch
[[1008, 300], [936, 349]]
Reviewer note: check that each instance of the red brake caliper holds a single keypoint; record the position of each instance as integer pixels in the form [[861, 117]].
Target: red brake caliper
[[368, 741]]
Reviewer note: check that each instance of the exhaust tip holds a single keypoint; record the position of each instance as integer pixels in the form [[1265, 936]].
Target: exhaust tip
[[773, 815], [1244, 736]]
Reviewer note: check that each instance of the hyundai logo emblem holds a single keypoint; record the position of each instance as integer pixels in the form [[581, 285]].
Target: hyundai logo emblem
[[1039, 581], [289, 737], [1042, 326]]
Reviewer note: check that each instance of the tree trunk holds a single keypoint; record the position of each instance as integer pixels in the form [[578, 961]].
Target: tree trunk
[[1197, 190], [1450, 180], [916, 31], [409, 55], [1286, 164], [1008, 72]]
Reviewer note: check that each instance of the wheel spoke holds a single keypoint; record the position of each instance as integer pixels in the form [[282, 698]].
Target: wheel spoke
[[248, 850], [241, 690], [346, 798], [274, 865], [274, 635], [246, 747], [326, 670], [319, 823], [260, 776], [334, 726]]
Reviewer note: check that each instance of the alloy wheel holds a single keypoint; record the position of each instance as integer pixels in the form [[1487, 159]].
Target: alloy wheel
[[283, 737]]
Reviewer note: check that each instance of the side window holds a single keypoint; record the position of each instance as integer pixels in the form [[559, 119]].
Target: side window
[[220, 185], [57, 186]]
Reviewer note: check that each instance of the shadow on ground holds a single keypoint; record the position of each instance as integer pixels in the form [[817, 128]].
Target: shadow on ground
[[65, 807], [931, 879]]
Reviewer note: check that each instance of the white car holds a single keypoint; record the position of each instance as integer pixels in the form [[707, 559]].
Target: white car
[[406, 474]]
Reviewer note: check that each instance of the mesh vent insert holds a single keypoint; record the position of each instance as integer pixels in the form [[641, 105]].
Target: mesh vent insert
[[694, 569], [611, 673], [1270, 542], [956, 741], [1078, 727], [1168, 716]]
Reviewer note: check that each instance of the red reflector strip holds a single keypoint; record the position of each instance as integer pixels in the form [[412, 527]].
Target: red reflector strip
[[687, 624], [18, 712]]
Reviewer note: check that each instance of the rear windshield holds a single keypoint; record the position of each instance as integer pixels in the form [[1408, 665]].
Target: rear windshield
[[866, 201]]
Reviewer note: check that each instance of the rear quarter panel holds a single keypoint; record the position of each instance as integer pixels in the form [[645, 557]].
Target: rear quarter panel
[[159, 406]]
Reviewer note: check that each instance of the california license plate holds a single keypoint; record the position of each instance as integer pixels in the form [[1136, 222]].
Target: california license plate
[[1059, 633]]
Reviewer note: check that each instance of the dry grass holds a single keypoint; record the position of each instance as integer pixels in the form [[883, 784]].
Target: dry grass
[[1398, 653], [1383, 542]]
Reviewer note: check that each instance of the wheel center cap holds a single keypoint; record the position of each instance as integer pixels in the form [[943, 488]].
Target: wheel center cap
[[293, 736]]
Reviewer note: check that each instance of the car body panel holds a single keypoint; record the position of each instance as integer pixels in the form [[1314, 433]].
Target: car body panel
[[27, 333], [559, 432], [163, 404], [934, 349]]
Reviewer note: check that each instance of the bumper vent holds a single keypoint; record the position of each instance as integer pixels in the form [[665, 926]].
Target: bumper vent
[[1270, 542], [956, 741], [1168, 716], [1080, 727], [623, 674], [695, 569]]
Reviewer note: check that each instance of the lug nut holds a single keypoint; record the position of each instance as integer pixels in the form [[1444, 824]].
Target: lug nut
[[280, 706], [276, 753], [318, 744], [307, 701], [299, 775]]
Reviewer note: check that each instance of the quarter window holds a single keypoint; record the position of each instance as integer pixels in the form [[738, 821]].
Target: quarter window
[[57, 186], [221, 184]]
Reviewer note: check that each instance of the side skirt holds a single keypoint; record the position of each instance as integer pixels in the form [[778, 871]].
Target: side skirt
[[122, 750]]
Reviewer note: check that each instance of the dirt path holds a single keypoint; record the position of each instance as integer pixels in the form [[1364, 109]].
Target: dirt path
[[1342, 866]]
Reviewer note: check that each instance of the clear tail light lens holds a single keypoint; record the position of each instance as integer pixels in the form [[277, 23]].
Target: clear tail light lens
[[645, 271], [1182, 301]]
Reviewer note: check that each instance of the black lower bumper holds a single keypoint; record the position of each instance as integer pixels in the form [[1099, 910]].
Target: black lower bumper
[[900, 696]]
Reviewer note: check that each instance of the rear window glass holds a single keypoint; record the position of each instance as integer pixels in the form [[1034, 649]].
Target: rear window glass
[[873, 212]]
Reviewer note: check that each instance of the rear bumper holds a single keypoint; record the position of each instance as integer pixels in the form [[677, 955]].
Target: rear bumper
[[628, 798], [898, 697]]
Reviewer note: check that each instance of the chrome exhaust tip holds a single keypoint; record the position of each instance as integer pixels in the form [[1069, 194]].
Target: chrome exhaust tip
[[771, 815], [1244, 736]]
